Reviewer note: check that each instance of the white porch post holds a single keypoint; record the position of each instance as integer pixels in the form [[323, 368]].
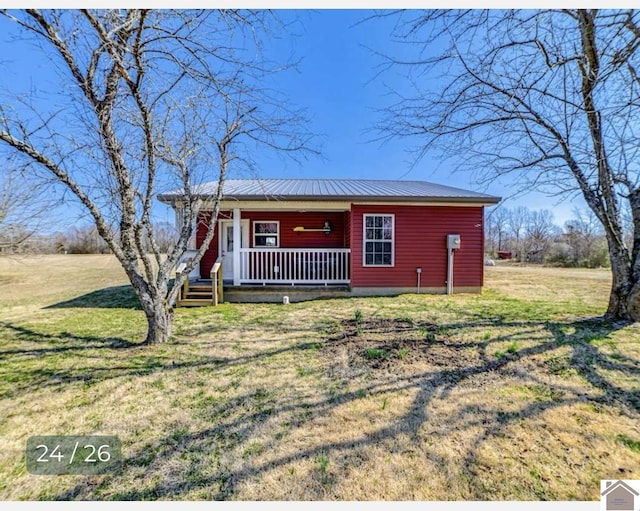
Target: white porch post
[[237, 244]]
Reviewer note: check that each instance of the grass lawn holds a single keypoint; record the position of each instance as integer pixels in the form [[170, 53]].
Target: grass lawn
[[521, 393]]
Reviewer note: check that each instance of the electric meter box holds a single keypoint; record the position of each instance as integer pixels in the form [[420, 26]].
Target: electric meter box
[[453, 241]]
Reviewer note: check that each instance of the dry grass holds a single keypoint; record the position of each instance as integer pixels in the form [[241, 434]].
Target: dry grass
[[584, 285], [521, 393]]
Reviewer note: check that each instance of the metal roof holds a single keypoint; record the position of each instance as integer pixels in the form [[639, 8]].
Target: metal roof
[[334, 189]]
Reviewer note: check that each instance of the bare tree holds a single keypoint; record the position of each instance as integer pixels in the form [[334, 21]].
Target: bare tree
[[586, 240], [517, 219], [165, 236], [540, 233], [550, 97], [527, 234], [83, 240], [496, 230], [149, 101], [22, 208]]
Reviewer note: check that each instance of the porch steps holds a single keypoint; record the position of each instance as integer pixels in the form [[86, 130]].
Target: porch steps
[[199, 295]]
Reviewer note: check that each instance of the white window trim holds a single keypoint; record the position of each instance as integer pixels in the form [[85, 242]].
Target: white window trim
[[364, 240], [277, 235]]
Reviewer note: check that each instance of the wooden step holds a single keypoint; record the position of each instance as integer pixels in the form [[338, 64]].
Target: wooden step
[[194, 302], [194, 294], [195, 287]]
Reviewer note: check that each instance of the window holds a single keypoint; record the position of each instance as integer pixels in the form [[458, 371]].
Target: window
[[266, 234], [378, 240]]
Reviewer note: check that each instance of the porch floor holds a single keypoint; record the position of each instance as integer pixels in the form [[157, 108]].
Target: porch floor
[[275, 293]]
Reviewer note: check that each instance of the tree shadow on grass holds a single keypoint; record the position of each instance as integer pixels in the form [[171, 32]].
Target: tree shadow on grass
[[217, 453], [72, 341], [115, 297], [36, 364], [23, 369]]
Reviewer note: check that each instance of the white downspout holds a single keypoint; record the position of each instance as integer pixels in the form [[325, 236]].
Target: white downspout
[[453, 243], [449, 270]]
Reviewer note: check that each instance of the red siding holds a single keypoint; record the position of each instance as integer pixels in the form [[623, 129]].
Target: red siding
[[347, 229], [420, 242], [311, 220], [210, 256], [288, 237]]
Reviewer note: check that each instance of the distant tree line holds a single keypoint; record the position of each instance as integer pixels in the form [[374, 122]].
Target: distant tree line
[[532, 236], [75, 240], [519, 234]]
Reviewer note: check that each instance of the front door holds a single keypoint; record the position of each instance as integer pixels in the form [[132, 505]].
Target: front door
[[226, 247]]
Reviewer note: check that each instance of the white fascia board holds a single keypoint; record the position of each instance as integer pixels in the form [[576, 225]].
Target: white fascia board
[[275, 205], [397, 203]]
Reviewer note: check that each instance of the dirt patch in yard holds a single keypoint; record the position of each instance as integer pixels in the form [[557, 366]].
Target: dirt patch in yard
[[396, 345]]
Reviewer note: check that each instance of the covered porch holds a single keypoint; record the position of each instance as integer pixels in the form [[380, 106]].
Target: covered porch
[[263, 251], [290, 246]]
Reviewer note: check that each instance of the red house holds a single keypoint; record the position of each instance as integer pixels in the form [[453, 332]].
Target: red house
[[367, 237]]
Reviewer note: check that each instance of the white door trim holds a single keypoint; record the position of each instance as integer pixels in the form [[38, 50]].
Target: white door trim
[[227, 266]]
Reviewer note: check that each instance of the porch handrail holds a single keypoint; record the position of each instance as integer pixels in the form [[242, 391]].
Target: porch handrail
[[298, 250], [185, 285], [217, 288]]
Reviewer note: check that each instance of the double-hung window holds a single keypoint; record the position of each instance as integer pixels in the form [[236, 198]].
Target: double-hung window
[[378, 240], [266, 234]]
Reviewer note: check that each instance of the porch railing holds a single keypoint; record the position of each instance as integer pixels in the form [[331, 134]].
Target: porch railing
[[294, 265]]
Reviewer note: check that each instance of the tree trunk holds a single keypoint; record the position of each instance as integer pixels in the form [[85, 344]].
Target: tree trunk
[[617, 308], [633, 303], [159, 319], [624, 300]]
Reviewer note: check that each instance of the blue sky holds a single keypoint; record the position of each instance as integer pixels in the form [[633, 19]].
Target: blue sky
[[337, 85]]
